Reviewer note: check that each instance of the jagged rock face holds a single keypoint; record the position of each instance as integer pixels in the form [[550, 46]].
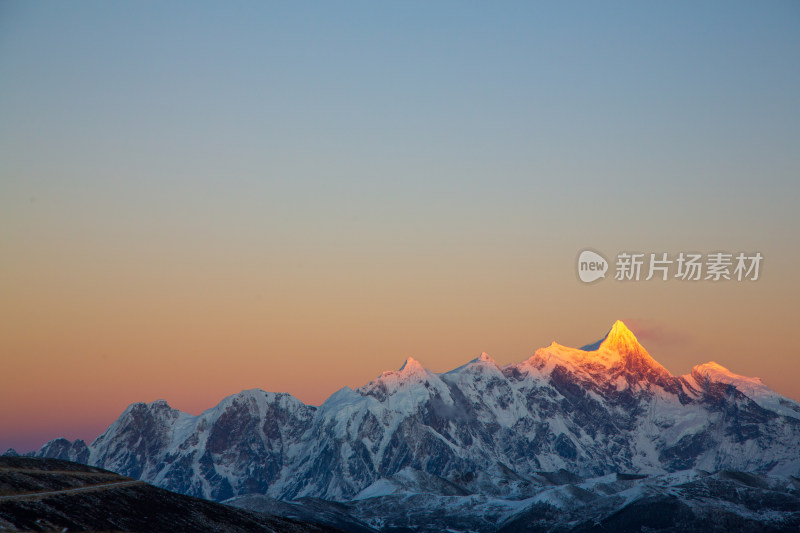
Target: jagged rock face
[[135, 439], [609, 407], [238, 447], [63, 449]]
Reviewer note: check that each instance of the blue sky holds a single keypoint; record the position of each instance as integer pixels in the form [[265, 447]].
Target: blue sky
[[467, 104]]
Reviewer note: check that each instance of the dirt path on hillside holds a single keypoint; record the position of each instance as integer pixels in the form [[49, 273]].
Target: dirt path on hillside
[[102, 486]]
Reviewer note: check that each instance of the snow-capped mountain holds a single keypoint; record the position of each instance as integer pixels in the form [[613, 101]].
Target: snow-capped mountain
[[563, 415]]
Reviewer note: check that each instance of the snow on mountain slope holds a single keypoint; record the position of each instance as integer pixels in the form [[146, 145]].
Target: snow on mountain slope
[[753, 388], [239, 446], [499, 432]]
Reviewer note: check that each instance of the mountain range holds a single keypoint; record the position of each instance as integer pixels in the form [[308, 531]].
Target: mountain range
[[481, 440]]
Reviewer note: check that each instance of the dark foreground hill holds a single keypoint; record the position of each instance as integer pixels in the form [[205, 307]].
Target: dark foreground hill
[[54, 495]]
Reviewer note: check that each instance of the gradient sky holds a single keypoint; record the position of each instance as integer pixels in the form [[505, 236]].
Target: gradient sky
[[199, 198]]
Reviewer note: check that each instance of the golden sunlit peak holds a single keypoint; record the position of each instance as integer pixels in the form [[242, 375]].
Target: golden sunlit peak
[[620, 339], [411, 365], [713, 371], [485, 358], [619, 328]]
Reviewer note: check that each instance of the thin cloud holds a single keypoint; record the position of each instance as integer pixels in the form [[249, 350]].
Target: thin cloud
[[649, 331]]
